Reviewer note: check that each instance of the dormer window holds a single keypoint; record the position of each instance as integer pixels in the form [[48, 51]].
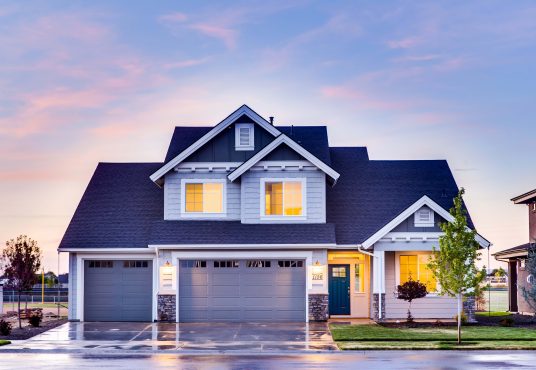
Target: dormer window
[[244, 138], [424, 217]]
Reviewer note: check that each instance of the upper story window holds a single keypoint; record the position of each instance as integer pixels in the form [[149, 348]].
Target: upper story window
[[424, 217], [203, 197], [244, 136], [283, 198]]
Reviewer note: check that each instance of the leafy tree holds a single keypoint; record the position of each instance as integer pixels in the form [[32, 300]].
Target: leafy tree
[[529, 290], [50, 279], [454, 263], [22, 259], [500, 272], [410, 290]]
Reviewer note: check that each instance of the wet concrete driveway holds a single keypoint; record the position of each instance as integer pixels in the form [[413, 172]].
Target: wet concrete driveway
[[169, 337]]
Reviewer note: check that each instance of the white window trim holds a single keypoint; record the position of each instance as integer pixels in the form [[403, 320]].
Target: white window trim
[[185, 214], [397, 268], [251, 145], [283, 217], [419, 223]]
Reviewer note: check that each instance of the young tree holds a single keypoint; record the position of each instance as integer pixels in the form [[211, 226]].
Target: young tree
[[22, 260], [500, 272], [410, 290], [454, 263], [529, 290]]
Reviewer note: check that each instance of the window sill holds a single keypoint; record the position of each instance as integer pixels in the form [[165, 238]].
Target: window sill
[[283, 218], [186, 215], [244, 148], [424, 225]]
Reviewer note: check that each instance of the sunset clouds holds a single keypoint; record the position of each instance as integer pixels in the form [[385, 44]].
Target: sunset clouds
[[83, 82]]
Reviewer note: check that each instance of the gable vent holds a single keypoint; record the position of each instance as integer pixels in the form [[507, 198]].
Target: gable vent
[[244, 136]]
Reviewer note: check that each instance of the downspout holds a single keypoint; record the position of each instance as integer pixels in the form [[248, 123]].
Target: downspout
[[361, 250]]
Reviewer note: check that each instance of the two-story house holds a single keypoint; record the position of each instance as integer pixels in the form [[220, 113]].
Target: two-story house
[[248, 221], [516, 256]]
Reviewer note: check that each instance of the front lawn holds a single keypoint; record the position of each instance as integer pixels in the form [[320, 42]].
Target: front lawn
[[493, 313], [475, 337]]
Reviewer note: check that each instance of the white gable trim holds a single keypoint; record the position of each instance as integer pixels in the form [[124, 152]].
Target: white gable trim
[[244, 109], [283, 139], [424, 201]]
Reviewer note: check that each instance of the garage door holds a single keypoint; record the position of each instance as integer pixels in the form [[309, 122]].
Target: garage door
[[118, 290], [241, 290]]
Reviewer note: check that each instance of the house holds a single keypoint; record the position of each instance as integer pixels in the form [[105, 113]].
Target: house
[[516, 257], [248, 221]]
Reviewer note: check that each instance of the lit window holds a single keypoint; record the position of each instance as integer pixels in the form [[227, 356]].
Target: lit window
[[359, 278], [338, 272], [415, 267], [244, 136], [283, 198], [204, 197], [424, 217]]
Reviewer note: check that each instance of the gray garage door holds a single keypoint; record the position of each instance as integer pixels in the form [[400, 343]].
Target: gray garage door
[[118, 290], [241, 290]]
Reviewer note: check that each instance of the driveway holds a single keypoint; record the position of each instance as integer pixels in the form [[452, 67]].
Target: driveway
[[169, 337]]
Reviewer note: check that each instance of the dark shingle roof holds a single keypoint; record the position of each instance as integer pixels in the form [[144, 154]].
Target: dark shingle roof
[[517, 249], [369, 194], [123, 208], [313, 138]]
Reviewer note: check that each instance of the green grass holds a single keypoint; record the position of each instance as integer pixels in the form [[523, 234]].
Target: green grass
[[439, 345], [493, 313], [373, 333], [4, 342]]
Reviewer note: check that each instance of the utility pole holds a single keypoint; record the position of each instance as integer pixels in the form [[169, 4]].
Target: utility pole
[[43, 286]]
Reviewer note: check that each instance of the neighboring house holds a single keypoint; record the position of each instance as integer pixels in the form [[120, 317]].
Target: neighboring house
[[516, 256], [247, 221]]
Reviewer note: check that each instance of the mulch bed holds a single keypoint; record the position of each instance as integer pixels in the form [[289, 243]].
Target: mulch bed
[[29, 331], [519, 320]]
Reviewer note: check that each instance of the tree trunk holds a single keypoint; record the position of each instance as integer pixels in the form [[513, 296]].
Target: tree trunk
[[20, 323], [459, 318]]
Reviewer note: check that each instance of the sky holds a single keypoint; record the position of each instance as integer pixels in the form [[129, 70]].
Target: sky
[[83, 82]]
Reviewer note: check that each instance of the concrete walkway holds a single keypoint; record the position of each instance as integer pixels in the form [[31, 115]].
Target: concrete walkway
[[179, 338]]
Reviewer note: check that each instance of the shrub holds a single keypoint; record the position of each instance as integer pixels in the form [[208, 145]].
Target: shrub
[[5, 327], [463, 318], [507, 321], [35, 318], [409, 291]]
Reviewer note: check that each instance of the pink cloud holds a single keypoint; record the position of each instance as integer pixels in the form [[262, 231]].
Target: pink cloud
[[364, 100], [185, 63], [173, 17], [405, 43], [225, 34]]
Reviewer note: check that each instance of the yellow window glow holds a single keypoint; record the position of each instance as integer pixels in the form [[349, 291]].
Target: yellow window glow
[[274, 198], [206, 198], [293, 198], [283, 198], [415, 266], [359, 277]]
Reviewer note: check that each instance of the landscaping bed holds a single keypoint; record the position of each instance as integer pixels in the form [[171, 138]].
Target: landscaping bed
[[49, 321], [427, 336]]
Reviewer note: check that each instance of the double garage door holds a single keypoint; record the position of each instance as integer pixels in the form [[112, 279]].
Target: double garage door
[[118, 290], [241, 290], [209, 290]]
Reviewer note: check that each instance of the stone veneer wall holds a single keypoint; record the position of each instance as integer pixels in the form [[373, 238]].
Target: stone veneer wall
[[167, 304], [318, 307], [469, 308], [375, 308]]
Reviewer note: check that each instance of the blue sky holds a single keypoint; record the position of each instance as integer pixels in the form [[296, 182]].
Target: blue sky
[[82, 82]]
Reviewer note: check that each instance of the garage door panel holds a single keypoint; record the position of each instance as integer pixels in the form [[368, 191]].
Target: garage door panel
[[118, 290], [254, 293]]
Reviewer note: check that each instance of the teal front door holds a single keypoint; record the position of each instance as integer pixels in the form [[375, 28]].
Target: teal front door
[[339, 289]]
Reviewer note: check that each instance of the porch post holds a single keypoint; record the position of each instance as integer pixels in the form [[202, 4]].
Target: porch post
[[378, 303]]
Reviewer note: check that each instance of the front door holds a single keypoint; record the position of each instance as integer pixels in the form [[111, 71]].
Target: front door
[[339, 289]]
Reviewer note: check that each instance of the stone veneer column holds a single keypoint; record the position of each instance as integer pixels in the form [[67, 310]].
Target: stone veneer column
[[166, 307], [318, 307], [469, 308], [375, 307]]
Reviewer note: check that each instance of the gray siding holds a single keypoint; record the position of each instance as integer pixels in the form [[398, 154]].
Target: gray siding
[[73, 277], [435, 307], [172, 195], [315, 197], [408, 225]]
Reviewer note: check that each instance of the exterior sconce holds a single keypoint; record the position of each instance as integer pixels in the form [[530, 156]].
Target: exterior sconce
[[318, 271], [167, 277]]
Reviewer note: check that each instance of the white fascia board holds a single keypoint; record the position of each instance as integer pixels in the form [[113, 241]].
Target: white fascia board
[[107, 250], [244, 109], [240, 246], [425, 200], [283, 139]]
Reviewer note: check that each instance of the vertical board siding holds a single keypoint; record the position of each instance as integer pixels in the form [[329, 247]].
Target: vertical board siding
[[315, 195], [73, 276], [408, 225], [435, 307], [172, 195]]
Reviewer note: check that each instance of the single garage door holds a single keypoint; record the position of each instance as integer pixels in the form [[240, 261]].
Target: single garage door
[[241, 290], [118, 290]]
